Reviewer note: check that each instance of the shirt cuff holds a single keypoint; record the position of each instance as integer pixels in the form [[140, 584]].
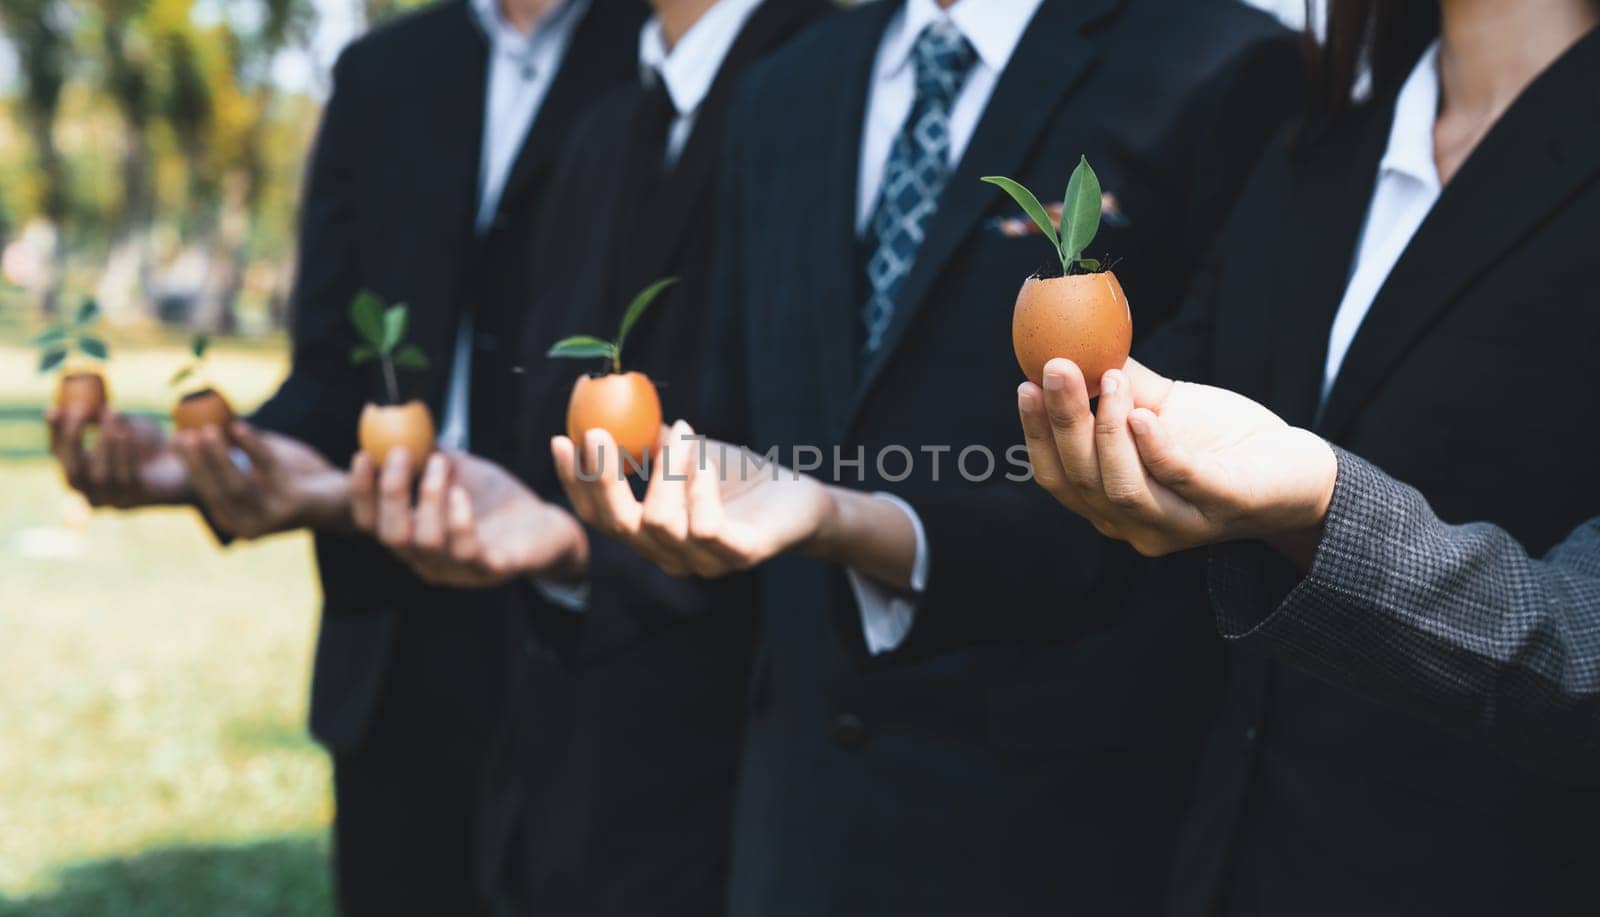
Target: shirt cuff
[[887, 614], [573, 597]]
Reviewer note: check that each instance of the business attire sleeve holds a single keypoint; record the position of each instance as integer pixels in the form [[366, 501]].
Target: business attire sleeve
[[315, 404], [1457, 623]]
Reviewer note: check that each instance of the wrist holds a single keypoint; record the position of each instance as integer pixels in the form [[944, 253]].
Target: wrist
[[1298, 540], [321, 501]]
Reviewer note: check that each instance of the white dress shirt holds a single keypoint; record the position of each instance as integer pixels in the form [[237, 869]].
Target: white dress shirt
[[521, 69], [1406, 190], [692, 65], [993, 27]]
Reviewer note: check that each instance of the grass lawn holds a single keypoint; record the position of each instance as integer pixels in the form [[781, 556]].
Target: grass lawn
[[153, 759]]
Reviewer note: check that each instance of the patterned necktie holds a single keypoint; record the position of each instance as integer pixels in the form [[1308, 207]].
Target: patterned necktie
[[915, 173]]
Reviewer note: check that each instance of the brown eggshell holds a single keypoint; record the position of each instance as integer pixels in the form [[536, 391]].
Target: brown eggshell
[[1083, 317], [205, 408], [387, 427], [623, 404], [82, 394]]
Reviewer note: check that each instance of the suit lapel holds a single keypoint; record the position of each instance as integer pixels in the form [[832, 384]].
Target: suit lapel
[[1047, 63], [455, 106], [829, 318], [1545, 148], [598, 50], [677, 213], [1310, 260]]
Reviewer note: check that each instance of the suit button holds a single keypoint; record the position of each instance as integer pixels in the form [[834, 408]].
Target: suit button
[[848, 731]]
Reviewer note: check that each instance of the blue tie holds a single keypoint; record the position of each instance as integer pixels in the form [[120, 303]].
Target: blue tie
[[915, 173]]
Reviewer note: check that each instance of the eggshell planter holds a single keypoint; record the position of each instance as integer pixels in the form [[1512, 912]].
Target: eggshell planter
[[205, 408], [82, 394], [625, 405], [1082, 317], [387, 427]]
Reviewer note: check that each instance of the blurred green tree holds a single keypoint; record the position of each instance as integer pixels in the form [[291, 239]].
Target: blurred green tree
[[43, 43]]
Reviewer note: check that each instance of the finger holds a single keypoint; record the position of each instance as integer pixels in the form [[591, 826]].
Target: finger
[[233, 483], [67, 445], [711, 554], [246, 438], [465, 547], [1168, 463], [1066, 403], [1148, 388], [394, 500], [1042, 455], [578, 492], [617, 510], [99, 468], [364, 492], [124, 455], [664, 517], [1122, 474], [429, 521]]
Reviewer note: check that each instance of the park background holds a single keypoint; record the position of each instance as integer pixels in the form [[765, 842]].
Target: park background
[[153, 756]]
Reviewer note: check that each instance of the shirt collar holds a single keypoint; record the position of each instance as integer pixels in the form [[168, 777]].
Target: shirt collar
[[993, 27], [691, 66], [1416, 108], [504, 37]]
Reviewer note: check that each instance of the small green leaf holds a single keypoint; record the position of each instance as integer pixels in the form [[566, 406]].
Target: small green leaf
[[1029, 204], [366, 313], [362, 353], [1090, 265], [52, 358], [640, 303], [1080, 211], [394, 327], [411, 357], [198, 345], [92, 346], [180, 377], [582, 347], [51, 336], [88, 312]]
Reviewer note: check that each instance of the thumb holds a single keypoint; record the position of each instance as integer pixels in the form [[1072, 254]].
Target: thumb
[[1168, 463], [1148, 387]]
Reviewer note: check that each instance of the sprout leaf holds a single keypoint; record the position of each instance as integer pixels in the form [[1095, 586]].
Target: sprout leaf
[[1080, 212], [640, 303]]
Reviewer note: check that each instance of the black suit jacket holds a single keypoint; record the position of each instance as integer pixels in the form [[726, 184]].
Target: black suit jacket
[[1314, 801], [992, 770], [630, 714], [390, 204]]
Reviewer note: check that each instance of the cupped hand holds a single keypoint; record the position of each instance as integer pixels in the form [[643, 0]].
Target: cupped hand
[[1170, 465], [131, 465], [254, 483], [472, 525], [710, 508]]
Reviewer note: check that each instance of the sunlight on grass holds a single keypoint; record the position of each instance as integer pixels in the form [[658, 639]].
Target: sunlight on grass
[[153, 758]]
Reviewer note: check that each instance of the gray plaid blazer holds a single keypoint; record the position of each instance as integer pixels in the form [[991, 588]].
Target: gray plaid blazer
[[1454, 622]]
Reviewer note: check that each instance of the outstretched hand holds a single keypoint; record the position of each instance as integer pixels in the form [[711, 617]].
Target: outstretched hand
[[254, 483], [1170, 465], [131, 464], [710, 509], [473, 524]]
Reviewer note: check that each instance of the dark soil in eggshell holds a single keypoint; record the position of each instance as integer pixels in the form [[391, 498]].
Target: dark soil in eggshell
[[205, 408], [1082, 317]]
